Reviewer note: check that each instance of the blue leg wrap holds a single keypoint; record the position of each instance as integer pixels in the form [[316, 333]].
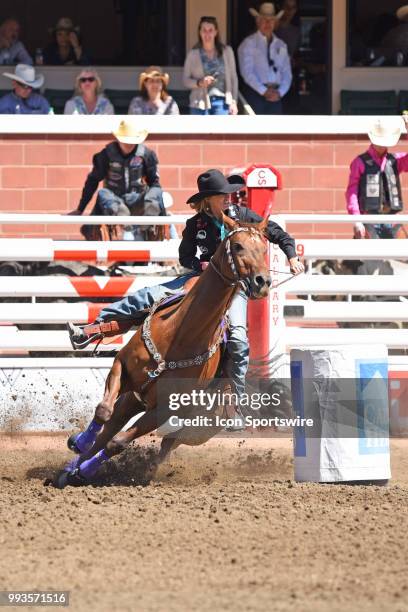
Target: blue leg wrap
[[89, 467], [86, 439]]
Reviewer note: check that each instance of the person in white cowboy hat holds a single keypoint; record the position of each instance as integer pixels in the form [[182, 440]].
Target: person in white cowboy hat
[[374, 185], [264, 63], [23, 100], [129, 171]]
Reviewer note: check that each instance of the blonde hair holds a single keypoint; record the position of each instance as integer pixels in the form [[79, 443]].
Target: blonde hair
[[202, 206], [91, 72]]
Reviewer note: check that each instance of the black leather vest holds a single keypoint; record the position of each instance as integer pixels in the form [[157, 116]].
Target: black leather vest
[[125, 175], [379, 189]]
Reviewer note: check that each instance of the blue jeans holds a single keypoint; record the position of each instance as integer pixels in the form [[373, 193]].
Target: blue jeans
[[218, 107], [237, 354]]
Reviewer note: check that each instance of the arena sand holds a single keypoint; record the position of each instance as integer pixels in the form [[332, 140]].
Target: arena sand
[[221, 527]]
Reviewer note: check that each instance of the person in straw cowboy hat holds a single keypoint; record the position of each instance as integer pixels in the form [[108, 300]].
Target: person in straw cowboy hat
[[265, 63], [129, 171], [374, 185], [23, 100], [155, 99]]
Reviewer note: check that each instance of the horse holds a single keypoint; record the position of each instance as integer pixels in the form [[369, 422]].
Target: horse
[[188, 336]]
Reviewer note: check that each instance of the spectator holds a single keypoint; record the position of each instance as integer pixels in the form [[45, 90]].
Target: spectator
[[265, 64], [288, 28], [131, 180], [23, 100], [394, 45], [374, 184], [12, 50], [66, 48], [210, 73], [155, 99], [89, 99]]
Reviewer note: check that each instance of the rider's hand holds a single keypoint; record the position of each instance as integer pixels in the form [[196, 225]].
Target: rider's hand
[[75, 212], [296, 266], [359, 230], [204, 264]]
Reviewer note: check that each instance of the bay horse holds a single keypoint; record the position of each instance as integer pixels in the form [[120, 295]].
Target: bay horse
[[178, 343]]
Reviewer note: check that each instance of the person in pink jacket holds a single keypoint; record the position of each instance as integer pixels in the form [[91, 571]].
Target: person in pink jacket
[[374, 185]]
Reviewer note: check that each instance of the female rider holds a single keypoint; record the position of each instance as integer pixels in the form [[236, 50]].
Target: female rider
[[205, 232]]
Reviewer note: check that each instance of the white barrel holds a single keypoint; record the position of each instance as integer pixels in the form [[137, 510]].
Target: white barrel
[[344, 391]]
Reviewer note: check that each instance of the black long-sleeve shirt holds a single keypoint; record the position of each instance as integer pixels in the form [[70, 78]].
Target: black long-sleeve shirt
[[100, 168], [201, 232]]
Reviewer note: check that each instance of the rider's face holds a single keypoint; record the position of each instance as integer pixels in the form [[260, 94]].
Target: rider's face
[[218, 203]]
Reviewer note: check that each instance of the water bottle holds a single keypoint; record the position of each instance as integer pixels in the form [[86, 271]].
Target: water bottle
[[39, 58], [51, 111], [18, 109]]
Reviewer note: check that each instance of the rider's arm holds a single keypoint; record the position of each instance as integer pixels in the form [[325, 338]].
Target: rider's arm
[[188, 247], [274, 232], [97, 174]]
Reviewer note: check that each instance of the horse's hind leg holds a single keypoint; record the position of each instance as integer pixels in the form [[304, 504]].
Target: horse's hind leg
[[81, 443]]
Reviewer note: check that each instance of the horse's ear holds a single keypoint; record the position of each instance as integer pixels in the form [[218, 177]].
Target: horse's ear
[[230, 224], [262, 225]]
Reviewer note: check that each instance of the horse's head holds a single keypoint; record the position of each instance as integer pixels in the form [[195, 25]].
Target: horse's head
[[242, 256]]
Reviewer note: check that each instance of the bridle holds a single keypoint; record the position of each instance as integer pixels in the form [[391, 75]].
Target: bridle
[[230, 258]]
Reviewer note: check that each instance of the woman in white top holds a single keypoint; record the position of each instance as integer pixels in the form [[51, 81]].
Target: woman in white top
[[210, 73], [89, 99], [155, 99]]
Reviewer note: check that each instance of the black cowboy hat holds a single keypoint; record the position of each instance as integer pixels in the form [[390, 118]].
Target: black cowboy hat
[[213, 182]]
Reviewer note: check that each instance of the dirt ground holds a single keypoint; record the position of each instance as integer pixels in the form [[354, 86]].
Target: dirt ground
[[222, 527]]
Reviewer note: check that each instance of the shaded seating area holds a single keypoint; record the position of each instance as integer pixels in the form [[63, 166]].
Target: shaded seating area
[[369, 102], [57, 98]]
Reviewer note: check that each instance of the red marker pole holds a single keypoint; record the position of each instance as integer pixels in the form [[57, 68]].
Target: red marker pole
[[262, 181]]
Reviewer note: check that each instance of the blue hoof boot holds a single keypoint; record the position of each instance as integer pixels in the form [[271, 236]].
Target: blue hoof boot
[[70, 479], [72, 445]]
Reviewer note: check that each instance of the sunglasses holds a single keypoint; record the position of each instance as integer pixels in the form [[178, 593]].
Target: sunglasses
[[90, 79], [23, 86]]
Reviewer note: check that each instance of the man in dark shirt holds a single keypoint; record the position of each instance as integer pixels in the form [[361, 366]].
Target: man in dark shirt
[[131, 179]]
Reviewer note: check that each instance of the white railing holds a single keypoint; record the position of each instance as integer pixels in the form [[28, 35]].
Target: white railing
[[299, 311]]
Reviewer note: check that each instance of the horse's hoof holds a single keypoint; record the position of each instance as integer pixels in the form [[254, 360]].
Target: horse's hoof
[[70, 479], [60, 481], [71, 443]]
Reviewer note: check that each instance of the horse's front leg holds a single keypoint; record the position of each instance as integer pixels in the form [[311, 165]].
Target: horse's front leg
[[82, 442], [148, 422]]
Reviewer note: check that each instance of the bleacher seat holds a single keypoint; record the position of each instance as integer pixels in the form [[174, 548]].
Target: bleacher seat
[[368, 102], [182, 97], [120, 99], [403, 100], [57, 98]]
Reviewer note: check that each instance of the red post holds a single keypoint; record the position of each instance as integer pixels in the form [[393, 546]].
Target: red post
[[262, 181]]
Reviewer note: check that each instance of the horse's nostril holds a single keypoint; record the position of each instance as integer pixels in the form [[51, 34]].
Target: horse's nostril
[[260, 281]]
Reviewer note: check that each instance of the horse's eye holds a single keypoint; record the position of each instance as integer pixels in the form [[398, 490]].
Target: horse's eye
[[238, 247]]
